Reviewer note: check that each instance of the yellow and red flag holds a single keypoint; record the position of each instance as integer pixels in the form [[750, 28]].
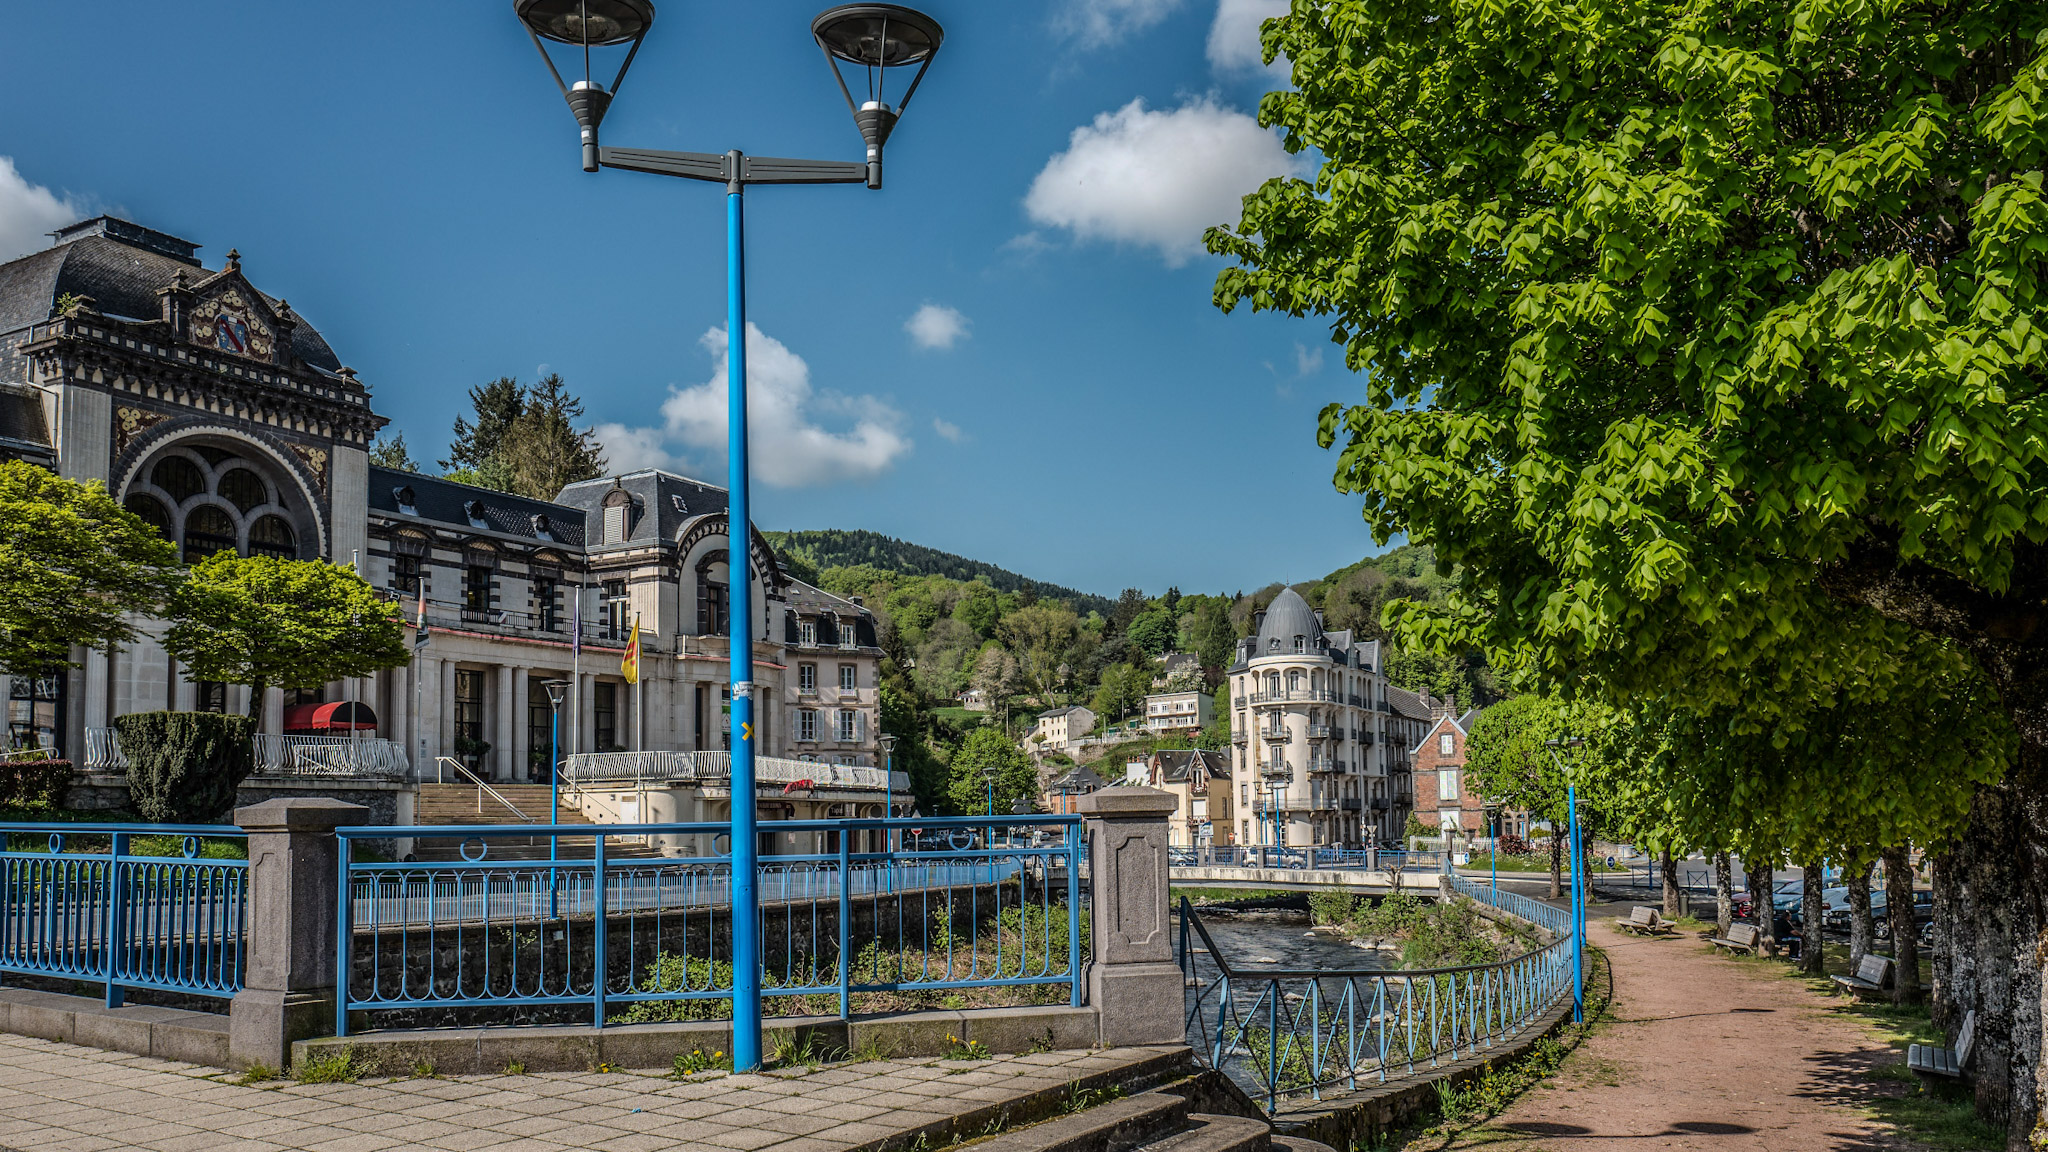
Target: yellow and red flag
[[629, 667]]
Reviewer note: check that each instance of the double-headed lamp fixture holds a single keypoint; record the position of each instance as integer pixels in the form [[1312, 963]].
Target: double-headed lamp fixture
[[873, 38]]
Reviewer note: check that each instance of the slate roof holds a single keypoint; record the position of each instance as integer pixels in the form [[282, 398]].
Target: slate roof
[[1289, 616], [1081, 779], [1408, 704], [663, 502], [448, 503], [1062, 710], [122, 277], [1174, 765]]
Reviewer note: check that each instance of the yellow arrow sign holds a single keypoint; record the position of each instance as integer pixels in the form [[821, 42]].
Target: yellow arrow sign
[[746, 730]]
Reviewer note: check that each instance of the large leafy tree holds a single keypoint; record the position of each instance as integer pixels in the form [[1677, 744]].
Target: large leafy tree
[[1706, 338], [271, 623], [75, 569], [987, 754]]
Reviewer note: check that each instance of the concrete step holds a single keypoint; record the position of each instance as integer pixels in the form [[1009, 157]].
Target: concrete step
[[1213, 1133], [1298, 1144], [1117, 1126]]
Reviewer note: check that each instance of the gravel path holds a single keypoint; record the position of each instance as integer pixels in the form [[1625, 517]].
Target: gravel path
[[1704, 1053]]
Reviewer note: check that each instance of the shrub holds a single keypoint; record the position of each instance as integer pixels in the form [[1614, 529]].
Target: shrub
[[1513, 845], [184, 767], [34, 783], [1331, 907]]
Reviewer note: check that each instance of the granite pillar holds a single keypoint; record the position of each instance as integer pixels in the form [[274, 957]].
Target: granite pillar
[[1133, 984], [288, 988]]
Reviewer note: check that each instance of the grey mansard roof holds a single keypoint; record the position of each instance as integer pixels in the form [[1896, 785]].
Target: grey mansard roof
[[449, 503], [663, 503], [120, 266], [1289, 616]]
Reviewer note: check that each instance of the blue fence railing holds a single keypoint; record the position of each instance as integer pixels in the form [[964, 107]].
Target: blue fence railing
[[125, 906], [930, 906], [1282, 1033]]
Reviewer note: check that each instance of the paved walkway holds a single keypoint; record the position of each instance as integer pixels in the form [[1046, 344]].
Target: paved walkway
[[1704, 1053], [61, 1098]]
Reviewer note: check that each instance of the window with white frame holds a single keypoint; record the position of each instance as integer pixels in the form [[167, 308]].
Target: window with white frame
[[849, 726], [807, 633], [1447, 784], [807, 724], [807, 678], [1446, 745], [849, 678]]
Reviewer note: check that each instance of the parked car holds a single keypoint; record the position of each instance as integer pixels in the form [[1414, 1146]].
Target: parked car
[[1837, 901]]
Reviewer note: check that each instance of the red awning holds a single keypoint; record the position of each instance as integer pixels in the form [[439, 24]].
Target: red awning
[[301, 719]]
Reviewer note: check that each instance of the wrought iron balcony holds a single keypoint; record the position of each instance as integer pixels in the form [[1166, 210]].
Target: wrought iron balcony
[[1319, 731]]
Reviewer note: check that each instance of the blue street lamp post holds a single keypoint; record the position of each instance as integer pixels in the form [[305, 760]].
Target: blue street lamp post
[[556, 689], [1574, 844], [888, 744], [877, 37]]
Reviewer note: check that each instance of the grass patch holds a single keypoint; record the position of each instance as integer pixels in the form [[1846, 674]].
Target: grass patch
[[257, 1074], [336, 1067], [1081, 1099], [965, 1049]]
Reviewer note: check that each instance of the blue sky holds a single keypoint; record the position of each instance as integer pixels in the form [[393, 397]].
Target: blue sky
[[1009, 353]]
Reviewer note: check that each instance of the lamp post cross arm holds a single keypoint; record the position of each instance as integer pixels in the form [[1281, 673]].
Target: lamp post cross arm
[[716, 167]]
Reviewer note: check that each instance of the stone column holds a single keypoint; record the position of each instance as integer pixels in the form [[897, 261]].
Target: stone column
[[522, 743], [500, 765], [445, 721], [1133, 984], [288, 992]]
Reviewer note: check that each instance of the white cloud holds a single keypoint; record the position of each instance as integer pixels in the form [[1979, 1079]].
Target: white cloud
[[789, 448], [1234, 36], [1098, 23], [29, 212], [948, 429], [1307, 361], [937, 326], [1156, 179]]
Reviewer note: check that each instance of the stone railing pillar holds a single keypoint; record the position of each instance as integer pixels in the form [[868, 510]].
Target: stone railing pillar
[[288, 983], [1133, 984]]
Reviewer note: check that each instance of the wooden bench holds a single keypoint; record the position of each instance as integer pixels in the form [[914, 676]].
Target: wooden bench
[[1644, 921], [1872, 977], [1740, 938], [1945, 1064]]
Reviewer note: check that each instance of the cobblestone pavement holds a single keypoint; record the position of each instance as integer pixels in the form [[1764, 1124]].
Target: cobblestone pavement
[[61, 1098]]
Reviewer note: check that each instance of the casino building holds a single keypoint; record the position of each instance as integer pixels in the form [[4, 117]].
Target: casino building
[[216, 413]]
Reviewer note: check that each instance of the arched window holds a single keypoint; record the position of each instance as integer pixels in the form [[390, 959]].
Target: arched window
[[208, 529], [152, 512], [712, 596], [271, 536], [244, 489], [179, 477]]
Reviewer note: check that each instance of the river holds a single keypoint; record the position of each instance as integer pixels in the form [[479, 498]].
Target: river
[[1282, 938]]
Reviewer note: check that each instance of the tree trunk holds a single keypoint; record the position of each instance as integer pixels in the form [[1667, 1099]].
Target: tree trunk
[[1812, 954], [1724, 895], [1862, 929], [256, 693], [1760, 906], [1556, 863], [1898, 910], [1671, 893]]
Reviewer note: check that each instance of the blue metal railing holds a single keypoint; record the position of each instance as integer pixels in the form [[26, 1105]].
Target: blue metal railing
[[1281, 1033], [970, 902], [86, 902]]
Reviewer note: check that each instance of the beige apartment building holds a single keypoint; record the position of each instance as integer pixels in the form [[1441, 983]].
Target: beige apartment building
[[1199, 782], [1178, 712], [1312, 735], [1060, 730]]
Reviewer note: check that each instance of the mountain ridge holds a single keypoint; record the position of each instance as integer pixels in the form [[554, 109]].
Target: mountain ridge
[[821, 548]]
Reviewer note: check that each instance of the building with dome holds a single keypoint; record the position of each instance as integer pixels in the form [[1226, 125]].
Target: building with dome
[[1314, 756], [213, 411]]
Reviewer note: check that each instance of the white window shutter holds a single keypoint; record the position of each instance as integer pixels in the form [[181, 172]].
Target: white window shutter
[[860, 727]]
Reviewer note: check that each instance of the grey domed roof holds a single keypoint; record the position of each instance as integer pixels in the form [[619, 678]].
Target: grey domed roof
[[1289, 616]]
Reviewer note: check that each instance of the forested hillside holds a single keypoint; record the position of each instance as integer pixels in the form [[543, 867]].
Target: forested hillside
[[851, 548]]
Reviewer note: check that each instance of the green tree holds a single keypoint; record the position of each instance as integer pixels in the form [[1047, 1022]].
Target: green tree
[[184, 767], [978, 609], [76, 568], [1705, 339], [1152, 631], [984, 751], [392, 453], [917, 749], [1042, 638], [496, 405], [543, 449], [271, 623], [1121, 692]]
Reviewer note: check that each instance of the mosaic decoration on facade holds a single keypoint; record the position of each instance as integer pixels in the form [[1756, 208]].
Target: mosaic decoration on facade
[[227, 323]]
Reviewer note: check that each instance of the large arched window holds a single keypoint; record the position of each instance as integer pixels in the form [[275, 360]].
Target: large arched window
[[208, 529], [243, 488], [179, 478], [152, 512], [271, 536]]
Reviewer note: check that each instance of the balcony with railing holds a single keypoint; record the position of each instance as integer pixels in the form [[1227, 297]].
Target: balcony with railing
[[1295, 696], [1275, 769], [1239, 736], [1319, 731], [1351, 804], [323, 756], [1276, 735]]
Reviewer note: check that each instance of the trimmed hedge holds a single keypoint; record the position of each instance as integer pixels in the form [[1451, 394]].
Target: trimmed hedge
[[34, 782], [184, 767]]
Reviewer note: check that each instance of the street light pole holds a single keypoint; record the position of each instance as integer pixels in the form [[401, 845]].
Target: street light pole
[[875, 36], [555, 690]]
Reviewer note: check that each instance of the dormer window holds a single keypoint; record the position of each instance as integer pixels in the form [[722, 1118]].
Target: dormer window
[[474, 511], [542, 528], [618, 515], [406, 500], [1301, 643]]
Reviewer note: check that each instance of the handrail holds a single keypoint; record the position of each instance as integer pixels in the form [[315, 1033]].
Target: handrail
[[26, 755], [481, 787]]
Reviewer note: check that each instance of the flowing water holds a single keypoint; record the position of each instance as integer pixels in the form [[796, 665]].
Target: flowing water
[[1281, 938]]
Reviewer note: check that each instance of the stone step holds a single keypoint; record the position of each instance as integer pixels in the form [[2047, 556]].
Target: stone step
[[1116, 1126], [1298, 1144], [1212, 1133]]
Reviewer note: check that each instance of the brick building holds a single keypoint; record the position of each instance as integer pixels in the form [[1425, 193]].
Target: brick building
[[1443, 798]]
